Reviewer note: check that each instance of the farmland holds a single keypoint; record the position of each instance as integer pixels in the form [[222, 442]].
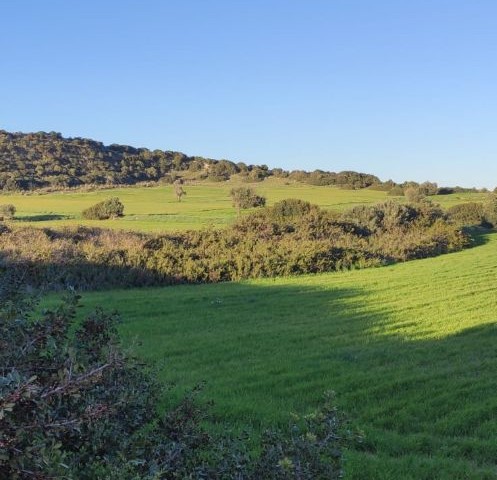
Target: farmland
[[409, 350], [155, 209]]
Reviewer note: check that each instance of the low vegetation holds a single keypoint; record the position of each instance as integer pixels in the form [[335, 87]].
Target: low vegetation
[[292, 237]]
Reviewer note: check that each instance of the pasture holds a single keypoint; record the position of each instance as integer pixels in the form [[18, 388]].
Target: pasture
[[409, 349], [155, 209]]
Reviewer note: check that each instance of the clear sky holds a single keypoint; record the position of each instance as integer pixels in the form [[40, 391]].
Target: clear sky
[[402, 89]]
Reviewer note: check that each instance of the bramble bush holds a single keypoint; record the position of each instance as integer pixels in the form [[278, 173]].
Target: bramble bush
[[75, 405]]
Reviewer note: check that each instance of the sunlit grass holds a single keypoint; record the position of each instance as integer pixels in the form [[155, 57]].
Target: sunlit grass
[[410, 350], [155, 209]]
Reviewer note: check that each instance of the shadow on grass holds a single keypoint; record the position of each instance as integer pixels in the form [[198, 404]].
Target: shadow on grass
[[479, 235], [266, 350], [42, 218]]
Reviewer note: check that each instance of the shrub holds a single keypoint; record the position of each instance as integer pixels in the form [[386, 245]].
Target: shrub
[[111, 208], [289, 208], [268, 242], [73, 404], [245, 197], [414, 194], [396, 191], [467, 214], [490, 209], [7, 211]]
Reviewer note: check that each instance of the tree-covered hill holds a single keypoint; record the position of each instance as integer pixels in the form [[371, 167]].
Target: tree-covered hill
[[37, 160]]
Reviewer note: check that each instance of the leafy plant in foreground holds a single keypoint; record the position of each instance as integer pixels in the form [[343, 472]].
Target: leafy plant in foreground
[[75, 405]]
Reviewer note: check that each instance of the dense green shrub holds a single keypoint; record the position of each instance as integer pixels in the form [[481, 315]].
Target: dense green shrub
[[391, 215], [7, 211], [245, 197], [468, 214], [289, 208], [74, 405], [290, 238], [111, 208]]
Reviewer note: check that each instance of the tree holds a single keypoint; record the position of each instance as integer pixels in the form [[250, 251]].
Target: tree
[[178, 189], [245, 197]]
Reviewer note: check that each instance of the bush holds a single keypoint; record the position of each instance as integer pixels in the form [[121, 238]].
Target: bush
[[468, 214], [245, 197], [111, 208], [396, 191], [490, 209], [73, 404], [289, 208], [7, 211], [290, 238], [414, 194]]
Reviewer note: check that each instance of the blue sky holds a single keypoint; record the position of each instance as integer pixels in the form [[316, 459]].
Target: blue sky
[[404, 90]]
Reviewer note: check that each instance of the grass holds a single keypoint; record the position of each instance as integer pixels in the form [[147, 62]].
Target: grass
[[410, 350], [155, 209]]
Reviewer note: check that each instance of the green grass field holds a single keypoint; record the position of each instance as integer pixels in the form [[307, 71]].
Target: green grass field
[[410, 350], [155, 209]]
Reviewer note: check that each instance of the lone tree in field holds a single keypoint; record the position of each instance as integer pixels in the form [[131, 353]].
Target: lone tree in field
[[245, 197], [178, 189]]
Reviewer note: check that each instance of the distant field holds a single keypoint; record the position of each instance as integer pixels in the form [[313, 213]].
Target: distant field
[[155, 209], [410, 350]]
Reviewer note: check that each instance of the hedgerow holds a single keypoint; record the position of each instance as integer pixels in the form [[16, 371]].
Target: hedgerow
[[290, 238]]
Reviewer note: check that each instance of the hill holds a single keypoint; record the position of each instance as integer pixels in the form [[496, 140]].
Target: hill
[[38, 160]]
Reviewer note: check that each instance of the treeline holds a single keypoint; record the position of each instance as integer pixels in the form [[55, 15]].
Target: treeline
[[48, 160], [292, 237], [30, 161]]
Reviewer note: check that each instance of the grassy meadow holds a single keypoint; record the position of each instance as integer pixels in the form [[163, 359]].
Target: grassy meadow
[[409, 349], [155, 209]]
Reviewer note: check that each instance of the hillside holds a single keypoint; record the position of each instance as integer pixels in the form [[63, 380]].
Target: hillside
[[38, 160], [409, 350]]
